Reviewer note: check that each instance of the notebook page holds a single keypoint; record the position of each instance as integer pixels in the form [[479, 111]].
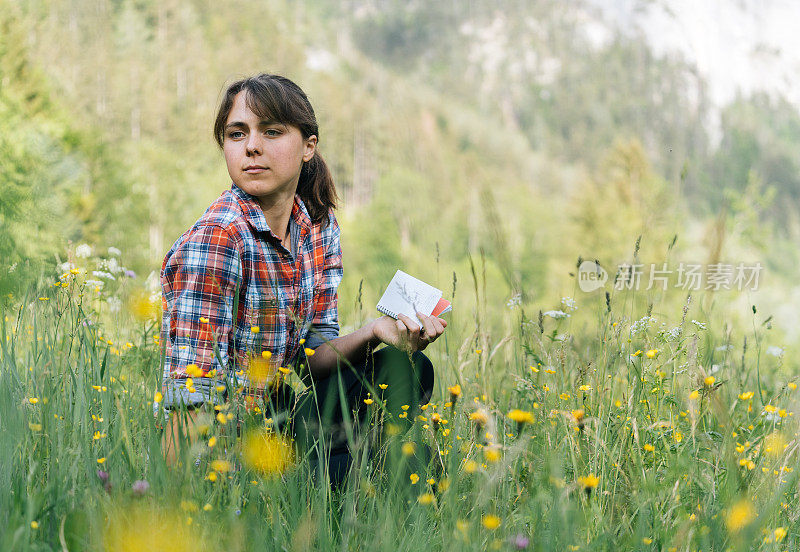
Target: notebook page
[[406, 295]]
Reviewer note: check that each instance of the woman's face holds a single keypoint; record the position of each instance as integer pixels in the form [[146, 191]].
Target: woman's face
[[264, 158]]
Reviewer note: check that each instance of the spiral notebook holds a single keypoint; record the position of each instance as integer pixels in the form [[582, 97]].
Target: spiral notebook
[[407, 295]]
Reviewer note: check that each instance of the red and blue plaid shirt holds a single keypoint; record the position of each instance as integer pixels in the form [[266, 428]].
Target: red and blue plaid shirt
[[229, 280]]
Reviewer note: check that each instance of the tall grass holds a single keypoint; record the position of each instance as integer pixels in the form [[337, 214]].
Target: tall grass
[[639, 426]]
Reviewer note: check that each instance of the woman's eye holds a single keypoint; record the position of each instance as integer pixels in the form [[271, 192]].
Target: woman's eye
[[234, 134], [273, 132]]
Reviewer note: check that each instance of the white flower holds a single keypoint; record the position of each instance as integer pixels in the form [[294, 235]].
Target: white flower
[[114, 266], [640, 326], [673, 334], [66, 267], [700, 325], [772, 350], [569, 304], [114, 251], [96, 283], [557, 314], [714, 368], [114, 304], [101, 274], [723, 348], [515, 300], [84, 251]]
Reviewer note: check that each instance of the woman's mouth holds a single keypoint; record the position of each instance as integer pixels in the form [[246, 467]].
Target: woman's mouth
[[255, 170]]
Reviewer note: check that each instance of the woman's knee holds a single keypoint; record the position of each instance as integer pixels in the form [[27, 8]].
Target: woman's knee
[[424, 370]]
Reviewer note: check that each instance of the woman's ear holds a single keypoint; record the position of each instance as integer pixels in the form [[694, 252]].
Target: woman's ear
[[311, 147]]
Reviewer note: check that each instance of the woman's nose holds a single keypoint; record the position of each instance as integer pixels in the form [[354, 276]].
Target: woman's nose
[[253, 144]]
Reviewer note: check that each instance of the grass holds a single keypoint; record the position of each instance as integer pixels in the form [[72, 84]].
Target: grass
[[630, 435]]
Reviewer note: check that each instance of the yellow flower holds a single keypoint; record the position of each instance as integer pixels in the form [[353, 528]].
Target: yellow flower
[[368, 401], [693, 396], [33, 400], [462, 525], [34, 525], [383, 385], [212, 442], [157, 397], [647, 540], [221, 466], [194, 370], [740, 515], [480, 417], [746, 395], [454, 390], [478, 351], [774, 444], [792, 386], [470, 466], [101, 460], [222, 418], [649, 448], [266, 452], [309, 352], [589, 482], [678, 436], [520, 416], [408, 448], [747, 463], [426, 499], [652, 353], [414, 478], [578, 414], [780, 534], [490, 521], [204, 320], [255, 329], [769, 408], [534, 369], [212, 476], [564, 396], [585, 388], [709, 381], [492, 454]]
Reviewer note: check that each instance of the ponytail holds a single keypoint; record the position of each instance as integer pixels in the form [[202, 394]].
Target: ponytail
[[317, 189]]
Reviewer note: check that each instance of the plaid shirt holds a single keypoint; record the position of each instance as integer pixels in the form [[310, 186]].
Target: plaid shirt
[[228, 274]]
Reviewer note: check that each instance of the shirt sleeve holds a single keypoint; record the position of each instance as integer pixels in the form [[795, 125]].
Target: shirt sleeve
[[320, 333], [199, 282], [326, 309]]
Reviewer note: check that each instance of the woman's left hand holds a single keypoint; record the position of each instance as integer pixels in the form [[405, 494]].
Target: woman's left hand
[[405, 334]]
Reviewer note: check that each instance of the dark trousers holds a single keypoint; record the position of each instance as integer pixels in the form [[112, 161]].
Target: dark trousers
[[321, 417]]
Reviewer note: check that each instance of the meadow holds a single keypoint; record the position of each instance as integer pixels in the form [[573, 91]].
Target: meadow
[[606, 423]]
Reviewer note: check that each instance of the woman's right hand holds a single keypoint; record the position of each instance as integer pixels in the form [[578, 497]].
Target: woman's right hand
[[405, 334]]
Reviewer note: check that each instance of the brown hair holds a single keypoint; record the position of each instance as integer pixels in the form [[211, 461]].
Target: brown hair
[[277, 98]]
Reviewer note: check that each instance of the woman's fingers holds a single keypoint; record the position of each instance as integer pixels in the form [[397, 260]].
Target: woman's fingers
[[430, 332], [407, 330]]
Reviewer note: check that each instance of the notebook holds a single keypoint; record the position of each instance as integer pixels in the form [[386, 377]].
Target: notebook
[[406, 295]]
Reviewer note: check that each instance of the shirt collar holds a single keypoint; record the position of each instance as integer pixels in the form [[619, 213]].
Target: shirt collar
[[255, 216]]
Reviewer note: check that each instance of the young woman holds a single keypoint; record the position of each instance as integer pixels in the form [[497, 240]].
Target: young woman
[[253, 283]]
